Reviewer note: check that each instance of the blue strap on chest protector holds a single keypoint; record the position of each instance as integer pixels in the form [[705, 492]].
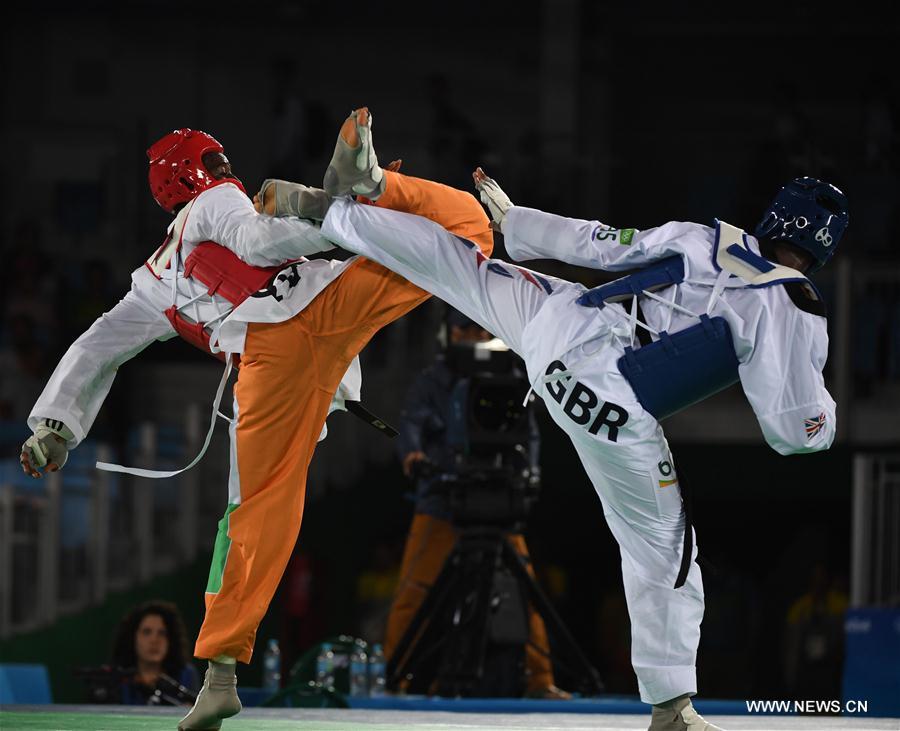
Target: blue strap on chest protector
[[658, 275], [681, 369]]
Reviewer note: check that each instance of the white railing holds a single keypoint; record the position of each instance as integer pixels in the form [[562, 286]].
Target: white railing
[[135, 528], [875, 535]]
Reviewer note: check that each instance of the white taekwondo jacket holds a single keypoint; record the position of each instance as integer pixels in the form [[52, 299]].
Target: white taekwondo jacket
[[225, 215], [780, 343]]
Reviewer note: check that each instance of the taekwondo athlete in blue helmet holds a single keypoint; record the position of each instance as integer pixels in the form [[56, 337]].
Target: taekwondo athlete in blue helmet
[[719, 305]]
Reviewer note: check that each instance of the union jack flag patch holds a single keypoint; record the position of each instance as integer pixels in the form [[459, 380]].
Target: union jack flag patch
[[814, 426]]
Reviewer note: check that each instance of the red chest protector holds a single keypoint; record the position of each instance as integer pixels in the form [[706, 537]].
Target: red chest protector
[[214, 266], [222, 273]]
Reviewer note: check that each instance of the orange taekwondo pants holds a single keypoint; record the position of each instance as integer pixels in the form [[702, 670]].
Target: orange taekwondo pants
[[289, 373], [429, 544]]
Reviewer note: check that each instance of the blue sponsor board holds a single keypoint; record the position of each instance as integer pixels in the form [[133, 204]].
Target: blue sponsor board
[[872, 660]]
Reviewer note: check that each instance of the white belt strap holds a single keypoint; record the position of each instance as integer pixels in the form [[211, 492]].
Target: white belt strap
[[156, 474]]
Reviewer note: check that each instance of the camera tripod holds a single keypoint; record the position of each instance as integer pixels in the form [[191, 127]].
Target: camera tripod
[[468, 638]]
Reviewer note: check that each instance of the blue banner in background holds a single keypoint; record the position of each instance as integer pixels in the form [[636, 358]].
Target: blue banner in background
[[872, 662]]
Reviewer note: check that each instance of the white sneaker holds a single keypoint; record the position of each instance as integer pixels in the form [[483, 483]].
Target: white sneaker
[[680, 717]]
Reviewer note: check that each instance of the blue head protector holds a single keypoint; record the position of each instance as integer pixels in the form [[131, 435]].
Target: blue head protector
[[806, 213]]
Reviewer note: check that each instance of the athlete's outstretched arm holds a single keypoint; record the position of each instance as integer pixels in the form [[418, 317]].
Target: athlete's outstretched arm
[[225, 215], [81, 381], [534, 234]]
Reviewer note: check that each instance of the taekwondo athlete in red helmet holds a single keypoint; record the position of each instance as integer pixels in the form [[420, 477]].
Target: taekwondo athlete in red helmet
[[234, 283]]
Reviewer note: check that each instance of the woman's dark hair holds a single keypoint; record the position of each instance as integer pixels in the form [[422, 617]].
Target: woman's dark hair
[[177, 657]]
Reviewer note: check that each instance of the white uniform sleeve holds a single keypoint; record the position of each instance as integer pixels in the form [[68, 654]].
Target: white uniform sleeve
[[782, 379], [531, 234], [225, 215], [81, 381]]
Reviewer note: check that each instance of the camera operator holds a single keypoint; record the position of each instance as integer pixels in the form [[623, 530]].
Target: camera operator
[[426, 454]]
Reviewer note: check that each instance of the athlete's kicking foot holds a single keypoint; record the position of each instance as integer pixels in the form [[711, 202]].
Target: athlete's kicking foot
[[354, 168], [284, 198], [217, 699]]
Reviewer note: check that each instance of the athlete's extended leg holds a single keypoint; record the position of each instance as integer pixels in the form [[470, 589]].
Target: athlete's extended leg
[[456, 210], [504, 307], [501, 297], [447, 265]]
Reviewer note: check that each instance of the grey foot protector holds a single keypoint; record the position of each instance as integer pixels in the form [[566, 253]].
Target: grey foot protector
[[679, 716], [218, 699], [355, 170], [295, 199]]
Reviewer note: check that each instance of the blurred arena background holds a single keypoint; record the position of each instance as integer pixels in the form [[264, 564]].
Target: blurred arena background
[[631, 115]]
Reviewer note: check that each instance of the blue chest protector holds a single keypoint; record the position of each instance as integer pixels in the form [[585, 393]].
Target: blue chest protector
[[682, 368], [678, 369]]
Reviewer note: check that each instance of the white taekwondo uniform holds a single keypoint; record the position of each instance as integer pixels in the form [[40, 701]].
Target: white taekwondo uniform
[[225, 215], [571, 354]]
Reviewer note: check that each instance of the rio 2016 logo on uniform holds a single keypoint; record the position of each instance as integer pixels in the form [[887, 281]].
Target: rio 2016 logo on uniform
[[622, 236], [665, 469]]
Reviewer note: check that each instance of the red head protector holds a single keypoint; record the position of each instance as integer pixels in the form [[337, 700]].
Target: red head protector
[[177, 173]]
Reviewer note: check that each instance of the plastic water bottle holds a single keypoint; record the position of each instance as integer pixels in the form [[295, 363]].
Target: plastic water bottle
[[272, 667], [325, 665], [377, 672], [342, 664], [359, 670]]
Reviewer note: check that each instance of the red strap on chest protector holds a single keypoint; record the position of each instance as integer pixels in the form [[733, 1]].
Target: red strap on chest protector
[[222, 273], [195, 334]]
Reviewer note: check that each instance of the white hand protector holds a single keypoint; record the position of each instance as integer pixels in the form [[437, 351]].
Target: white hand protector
[[48, 444], [294, 199], [495, 199]]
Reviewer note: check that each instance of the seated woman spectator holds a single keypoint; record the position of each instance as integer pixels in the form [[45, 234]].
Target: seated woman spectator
[[150, 651]]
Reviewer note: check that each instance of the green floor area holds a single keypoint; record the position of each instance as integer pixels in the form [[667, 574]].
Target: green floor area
[[121, 722], [130, 722], [93, 718]]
